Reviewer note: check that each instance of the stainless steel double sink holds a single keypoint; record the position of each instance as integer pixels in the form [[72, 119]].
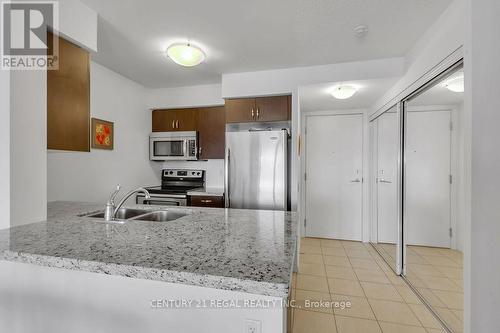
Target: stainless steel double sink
[[130, 214]]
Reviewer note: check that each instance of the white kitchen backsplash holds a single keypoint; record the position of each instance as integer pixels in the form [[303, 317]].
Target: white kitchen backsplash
[[214, 170]]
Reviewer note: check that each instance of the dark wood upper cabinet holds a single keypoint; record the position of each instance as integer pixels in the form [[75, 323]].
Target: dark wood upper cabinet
[[212, 130], [272, 108], [175, 120], [68, 99], [265, 109], [210, 122], [241, 110]]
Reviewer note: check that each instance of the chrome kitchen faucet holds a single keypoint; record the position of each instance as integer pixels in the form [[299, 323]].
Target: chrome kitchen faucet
[[111, 209]]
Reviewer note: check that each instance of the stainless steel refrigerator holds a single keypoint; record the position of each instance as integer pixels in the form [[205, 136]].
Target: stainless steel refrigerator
[[256, 169]]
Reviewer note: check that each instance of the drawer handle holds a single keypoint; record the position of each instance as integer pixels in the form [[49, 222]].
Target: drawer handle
[[206, 201]]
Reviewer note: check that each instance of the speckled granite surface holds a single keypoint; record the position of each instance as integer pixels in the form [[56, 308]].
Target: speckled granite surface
[[241, 250]]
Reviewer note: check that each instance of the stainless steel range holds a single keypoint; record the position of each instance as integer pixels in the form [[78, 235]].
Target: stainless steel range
[[175, 183]]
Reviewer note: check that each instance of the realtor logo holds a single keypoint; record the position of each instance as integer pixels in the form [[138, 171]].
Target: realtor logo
[[25, 44]]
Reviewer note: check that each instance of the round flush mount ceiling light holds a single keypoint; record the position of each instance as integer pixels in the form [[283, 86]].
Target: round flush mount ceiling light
[[186, 54], [343, 91], [456, 84]]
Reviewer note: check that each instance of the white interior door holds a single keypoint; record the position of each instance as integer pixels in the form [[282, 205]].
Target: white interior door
[[387, 181], [334, 155], [427, 178]]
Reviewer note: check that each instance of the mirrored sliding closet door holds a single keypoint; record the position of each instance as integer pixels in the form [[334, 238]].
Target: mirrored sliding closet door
[[434, 150]]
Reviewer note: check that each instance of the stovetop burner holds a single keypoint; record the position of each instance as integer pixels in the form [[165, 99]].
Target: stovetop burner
[[178, 181]]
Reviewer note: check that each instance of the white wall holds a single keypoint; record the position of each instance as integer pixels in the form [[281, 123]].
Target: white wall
[[182, 97], [78, 24], [5, 148], [441, 39], [482, 272], [92, 176], [28, 138]]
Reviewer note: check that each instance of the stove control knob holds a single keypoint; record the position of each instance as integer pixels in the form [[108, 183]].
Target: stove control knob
[[171, 172], [198, 173], [193, 173]]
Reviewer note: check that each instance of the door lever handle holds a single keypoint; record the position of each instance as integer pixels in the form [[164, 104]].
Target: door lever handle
[[381, 180], [357, 180]]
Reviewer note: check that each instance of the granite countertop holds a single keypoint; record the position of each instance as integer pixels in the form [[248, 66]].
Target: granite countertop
[[209, 191], [241, 250]]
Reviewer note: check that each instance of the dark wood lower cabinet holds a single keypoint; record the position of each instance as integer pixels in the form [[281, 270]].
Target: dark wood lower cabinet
[[206, 201]]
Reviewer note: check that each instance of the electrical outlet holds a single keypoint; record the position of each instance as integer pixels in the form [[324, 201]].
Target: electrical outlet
[[253, 326]]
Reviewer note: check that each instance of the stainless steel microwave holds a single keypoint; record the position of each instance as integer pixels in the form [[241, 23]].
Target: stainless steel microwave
[[173, 146]]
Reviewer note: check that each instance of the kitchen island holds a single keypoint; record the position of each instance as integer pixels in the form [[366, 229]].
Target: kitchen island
[[229, 267]]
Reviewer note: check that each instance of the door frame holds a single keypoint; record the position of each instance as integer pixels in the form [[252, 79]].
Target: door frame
[[365, 209]]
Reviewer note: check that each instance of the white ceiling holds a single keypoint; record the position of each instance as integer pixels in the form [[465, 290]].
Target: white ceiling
[[241, 35], [318, 98]]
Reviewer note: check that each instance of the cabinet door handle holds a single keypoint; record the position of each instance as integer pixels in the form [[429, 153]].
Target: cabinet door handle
[[199, 151], [253, 114], [206, 201], [176, 124], [257, 113], [173, 123]]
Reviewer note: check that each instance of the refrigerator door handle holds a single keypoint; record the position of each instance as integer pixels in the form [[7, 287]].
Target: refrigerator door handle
[[228, 157]]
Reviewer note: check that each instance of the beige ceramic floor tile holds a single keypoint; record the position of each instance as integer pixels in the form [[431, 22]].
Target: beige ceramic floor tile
[[356, 325], [340, 272], [353, 245], [396, 280], [459, 314], [360, 308], [310, 242], [398, 328], [432, 299], [381, 291], [356, 253], [451, 272], [345, 287], [312, 269], [424, 270], [424, 315], [311, 258], [393, 312], [452, 300], [440, 283], [441, 261], [371, 275], [312, 301], [363, 263], [311, 282], [336, 261], [408, 294], [331, 243], [334, 251], [434, 330], [450, 319], [309, 321], [310, 249]]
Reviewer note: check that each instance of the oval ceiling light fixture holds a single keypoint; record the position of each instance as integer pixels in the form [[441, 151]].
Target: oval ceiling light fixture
[[186, 54], [343, 91], [456, 84]]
